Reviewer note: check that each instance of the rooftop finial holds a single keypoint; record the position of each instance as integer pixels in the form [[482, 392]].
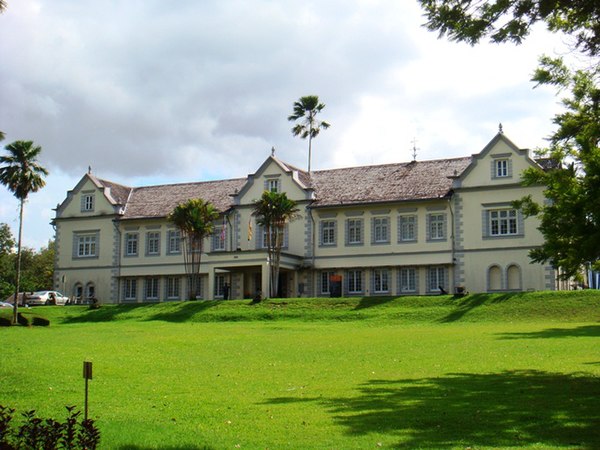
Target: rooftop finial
[[414, 149], [500, 130], [90, 170], [273, 151]]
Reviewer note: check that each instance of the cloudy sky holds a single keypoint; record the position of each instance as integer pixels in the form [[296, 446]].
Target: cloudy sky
[[151, 92]]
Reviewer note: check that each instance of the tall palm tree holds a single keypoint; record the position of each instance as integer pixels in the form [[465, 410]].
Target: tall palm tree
[[22, 175], [307, 109], [273, 211], [195, 219]]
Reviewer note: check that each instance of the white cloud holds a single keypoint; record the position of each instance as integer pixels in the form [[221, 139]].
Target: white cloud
[[147, 92]]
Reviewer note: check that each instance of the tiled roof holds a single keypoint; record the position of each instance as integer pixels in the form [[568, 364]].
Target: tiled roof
[[118, 192], [417, 180], [159, 201]]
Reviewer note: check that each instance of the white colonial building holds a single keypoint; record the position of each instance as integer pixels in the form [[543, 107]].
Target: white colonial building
[[415, 228]]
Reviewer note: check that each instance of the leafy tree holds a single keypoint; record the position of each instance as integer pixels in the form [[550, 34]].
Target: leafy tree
[[7, 240], [273, 211], [22, 175], [570, 219], [195, 219], [307, 109], [511, 20]]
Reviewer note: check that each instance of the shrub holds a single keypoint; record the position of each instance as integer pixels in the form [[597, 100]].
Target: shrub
[[40, 322], [36, 433], [5, 322], [22, 320]]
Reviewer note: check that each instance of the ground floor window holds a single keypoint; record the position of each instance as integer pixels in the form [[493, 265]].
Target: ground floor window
[[381, 281], [173, 288], [220, 286], [355, 282], [325, 280], [152, 286], [130, 289], [407, 280], [437, 279]]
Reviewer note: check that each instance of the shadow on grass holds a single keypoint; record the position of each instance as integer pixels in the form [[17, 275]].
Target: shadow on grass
[[507, 409], [369, 302], [466, 304], [105, 313], [583, 331], [184, 311], [186, 447]]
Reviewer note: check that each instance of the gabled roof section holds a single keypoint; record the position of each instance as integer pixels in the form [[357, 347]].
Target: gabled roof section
[[115, 194], [416, 180], [159, 201], [300, 177]]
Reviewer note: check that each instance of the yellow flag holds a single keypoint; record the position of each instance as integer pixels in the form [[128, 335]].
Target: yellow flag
[[250, 229]]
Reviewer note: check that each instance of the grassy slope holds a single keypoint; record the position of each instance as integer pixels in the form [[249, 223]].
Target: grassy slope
[[428, 372]]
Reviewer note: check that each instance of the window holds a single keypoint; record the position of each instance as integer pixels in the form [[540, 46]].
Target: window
[[503, 222], [152, 285], [437, 226], [174, 242], [437, 279], [408, 280], [130, 289], [86, 245], [90, 291], [219, 238], [131, 244], [272, 185], [355, 282], [173, 288], [381, 228], [381, 281], [328, 232], [501, 168], [87, 203], [78, 292], [220, 286], [153, 243], [274, 234], [354, 231], [408, 228], [325, 282]]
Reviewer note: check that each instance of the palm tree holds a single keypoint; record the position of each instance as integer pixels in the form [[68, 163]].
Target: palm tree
[[307, 108], [273, 211], [195, 219], [22, 175]]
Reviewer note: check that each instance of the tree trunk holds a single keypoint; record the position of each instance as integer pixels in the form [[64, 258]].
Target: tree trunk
[[18, 280]]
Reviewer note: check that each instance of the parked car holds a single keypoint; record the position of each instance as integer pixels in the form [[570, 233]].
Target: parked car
[[46, 298], [5, 305]]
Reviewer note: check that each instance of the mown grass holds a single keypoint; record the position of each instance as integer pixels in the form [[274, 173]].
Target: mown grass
[[483, 371]]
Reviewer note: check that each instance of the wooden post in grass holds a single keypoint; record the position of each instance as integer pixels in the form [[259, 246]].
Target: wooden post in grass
[[87, 374]]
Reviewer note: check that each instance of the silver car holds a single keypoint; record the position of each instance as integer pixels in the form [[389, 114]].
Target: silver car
[[46, 298]]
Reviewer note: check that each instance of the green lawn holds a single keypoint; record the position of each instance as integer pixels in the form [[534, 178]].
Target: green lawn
[[484, 371]]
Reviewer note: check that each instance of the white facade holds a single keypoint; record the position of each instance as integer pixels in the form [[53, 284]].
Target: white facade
[[406, 229]]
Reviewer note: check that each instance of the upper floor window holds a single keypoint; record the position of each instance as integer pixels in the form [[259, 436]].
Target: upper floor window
[[501, 168], [131, 244], [86, 245], [437, 227], [218, 239], [503, 222], [275, 234], [174, 242], [408, 228], [328, 232], [354, 231], [272, 185], [381, 230], [87, 203], [153, 243]]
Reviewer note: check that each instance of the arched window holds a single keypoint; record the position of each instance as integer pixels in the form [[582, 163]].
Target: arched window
[[78, 293], [494, 278], [513, 276], [90, 291]]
